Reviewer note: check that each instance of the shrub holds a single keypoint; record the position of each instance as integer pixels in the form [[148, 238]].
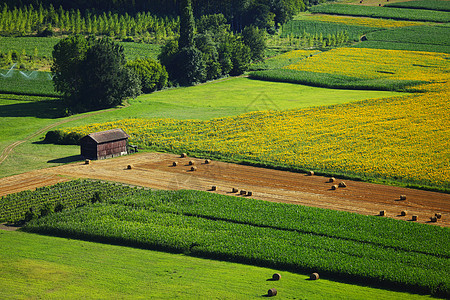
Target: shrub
[[152, 74]]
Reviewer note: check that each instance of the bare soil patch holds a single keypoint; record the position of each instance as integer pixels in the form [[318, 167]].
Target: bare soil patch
[[156, 170]]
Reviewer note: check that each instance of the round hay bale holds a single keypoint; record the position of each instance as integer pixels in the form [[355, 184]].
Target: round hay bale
[[191, 162], [243, 192], [332, 179], [193, 168], [334, 187], [433, 219], [403, 213], [402, 197], [129, 167], [276, 276], [249, 193], [207, 161], [382, 212], [175, 163], [314, 276], [438, 215], [234, 190], [87, 161], [310, 173], [272, 292], [214, 188], [414, 218], [342, 184], [183, 155]]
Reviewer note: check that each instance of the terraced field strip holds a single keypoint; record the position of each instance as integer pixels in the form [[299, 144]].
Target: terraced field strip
[[155, 170]]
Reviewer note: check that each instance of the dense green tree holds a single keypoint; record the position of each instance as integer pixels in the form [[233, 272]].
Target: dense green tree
[[92, 74], [241, 57], [191, 66], [187, 25], [208, 48], [167, 56], [152, 74], [255, 38], [68, 56]]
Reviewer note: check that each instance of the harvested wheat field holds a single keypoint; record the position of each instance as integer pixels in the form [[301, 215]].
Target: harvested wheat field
[[157, 170]]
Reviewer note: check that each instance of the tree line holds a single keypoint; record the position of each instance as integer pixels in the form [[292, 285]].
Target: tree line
[[30, 20], [240, 13]]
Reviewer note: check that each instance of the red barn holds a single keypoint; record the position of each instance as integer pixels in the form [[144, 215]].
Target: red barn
[[104, 144]]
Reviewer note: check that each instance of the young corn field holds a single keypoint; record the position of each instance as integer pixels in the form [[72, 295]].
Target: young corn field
[[341, 245]]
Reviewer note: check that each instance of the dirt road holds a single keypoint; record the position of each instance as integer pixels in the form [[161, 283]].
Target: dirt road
[[155, 170]]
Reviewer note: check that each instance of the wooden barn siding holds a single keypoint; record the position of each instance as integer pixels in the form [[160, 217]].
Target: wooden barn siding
[[111, 149]]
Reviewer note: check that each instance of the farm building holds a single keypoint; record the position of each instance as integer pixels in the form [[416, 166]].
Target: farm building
[[104, 144]]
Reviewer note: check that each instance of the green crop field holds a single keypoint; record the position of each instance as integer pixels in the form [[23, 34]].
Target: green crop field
[[402, 46], [383, 12], [368, 249], [36, 266], [442, 5], [45, 45], [296, 28], [20, 82], [417, 35]]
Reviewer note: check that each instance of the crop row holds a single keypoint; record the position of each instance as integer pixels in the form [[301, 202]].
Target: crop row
[[192, 223], [44, 46], [388, 233], [333, 80], [402, 46], [432, 35], [383, 12], [423, 4], [14, 207], [357, 21], [298, 28]]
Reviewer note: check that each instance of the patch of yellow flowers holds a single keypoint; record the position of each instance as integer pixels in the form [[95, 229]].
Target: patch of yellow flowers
[[401, 138], [378, 63]]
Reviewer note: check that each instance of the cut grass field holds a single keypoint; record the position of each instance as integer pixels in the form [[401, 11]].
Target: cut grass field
[[50, 267]]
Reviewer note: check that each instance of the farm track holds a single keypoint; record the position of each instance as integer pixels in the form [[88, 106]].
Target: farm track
[[7, 151], [155, 170]]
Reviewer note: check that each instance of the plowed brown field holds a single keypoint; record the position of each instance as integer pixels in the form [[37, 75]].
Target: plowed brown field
[[155, 170]]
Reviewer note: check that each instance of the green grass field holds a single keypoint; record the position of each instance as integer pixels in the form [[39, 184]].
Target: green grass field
[[35, 266]]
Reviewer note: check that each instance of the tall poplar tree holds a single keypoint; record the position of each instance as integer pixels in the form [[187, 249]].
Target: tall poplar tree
[[187, 25]]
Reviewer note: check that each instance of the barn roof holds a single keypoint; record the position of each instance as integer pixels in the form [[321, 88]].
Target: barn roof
[[108, 135]]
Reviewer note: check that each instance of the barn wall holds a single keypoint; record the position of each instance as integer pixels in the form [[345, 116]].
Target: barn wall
[[88, 148], [112, 149]]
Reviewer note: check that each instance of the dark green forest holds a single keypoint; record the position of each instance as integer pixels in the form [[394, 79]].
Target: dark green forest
[[240, 13]]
